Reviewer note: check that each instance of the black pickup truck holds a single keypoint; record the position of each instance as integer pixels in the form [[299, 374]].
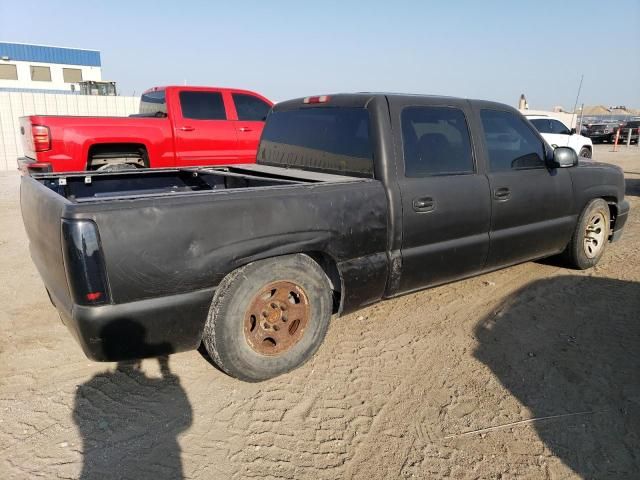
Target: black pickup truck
[[354, 198]]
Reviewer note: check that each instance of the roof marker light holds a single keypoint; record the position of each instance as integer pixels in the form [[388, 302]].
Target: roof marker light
[[317, 99]]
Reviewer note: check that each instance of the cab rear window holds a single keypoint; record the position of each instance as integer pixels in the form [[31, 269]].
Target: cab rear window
[[153, 104], [325, 139]]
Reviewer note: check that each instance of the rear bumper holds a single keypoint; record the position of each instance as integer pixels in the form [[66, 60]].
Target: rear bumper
[[621, 219], [145, 328], [28, 165]]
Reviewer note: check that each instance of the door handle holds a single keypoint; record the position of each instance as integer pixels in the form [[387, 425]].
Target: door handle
[[187, 128], [502, 194], [244, 129], [424, 204]]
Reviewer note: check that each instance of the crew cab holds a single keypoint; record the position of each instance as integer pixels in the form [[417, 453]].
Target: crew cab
[[175, 127], [354, 198], [557, 134]]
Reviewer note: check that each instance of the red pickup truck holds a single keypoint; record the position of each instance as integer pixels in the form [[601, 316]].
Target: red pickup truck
[[176, 126]]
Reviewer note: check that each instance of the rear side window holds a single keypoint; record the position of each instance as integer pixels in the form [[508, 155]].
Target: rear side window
[[202, 105], [510, 142], [250, 108], [153, 104], [325, 139], [435, 142]]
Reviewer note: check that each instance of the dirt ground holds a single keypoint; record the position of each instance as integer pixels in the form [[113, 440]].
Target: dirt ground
[[530, 372]]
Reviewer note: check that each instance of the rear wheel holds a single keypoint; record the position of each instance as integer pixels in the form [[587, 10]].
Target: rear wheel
[[117, 167], [591, 235], [268, 317], [585, 152]]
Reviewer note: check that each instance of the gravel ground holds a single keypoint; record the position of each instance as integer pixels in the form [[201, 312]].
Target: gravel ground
[[529, 372]]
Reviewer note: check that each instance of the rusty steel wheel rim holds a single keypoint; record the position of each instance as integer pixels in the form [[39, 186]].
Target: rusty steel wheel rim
[[276, 318]]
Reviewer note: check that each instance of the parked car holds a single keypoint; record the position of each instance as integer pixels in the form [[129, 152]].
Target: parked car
[[176, 126], [557, 134], [629, 129], [354, 198], [601, 132]]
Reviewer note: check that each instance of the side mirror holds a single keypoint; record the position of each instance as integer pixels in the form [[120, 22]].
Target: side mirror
[[564, 157], [573, 131]]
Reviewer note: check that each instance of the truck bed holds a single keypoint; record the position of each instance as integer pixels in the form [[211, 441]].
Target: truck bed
[[82, 187], [175, 231]]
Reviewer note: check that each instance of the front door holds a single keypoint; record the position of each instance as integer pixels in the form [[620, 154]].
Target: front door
[[445, 197], [531, 204], [203, 135]]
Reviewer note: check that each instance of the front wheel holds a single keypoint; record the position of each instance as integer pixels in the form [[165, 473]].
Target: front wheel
[[590, 236], [268, 317]]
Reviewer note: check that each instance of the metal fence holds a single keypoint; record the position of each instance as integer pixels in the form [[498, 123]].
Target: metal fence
[[14, 105]]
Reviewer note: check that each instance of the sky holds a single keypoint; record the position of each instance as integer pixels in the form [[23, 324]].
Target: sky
[[489, 49]]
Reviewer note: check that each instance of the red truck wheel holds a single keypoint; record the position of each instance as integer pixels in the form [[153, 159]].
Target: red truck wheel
[[268, 317]]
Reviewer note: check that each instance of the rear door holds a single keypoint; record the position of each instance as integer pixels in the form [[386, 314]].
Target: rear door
[[445, 196], [531, 204], [203, 133], [251, 112]]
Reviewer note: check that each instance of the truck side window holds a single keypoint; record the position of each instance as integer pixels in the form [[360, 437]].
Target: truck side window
[[250, 108], [543, 125], [435, 142], [511, 144], [559, 128], [202, 105]]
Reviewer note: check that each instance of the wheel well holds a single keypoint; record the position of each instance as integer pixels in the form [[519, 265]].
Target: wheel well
[[330, 267], [104, 153], [613, 209]]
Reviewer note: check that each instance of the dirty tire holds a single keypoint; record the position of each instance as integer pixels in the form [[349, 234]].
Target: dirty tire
[[578, 254], [585, 152], [224, 333]]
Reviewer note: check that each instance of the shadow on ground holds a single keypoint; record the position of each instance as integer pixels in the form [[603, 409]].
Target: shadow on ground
[[632, 186], [129, 421], [569, 348]]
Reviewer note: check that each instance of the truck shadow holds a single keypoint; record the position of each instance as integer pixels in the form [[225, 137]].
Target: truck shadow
[[632, 186], [569, 348], [129, 422]]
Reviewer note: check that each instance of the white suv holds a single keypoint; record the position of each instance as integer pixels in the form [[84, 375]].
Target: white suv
[[557, 134]]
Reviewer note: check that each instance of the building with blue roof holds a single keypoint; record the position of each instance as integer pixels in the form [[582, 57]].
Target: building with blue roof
[[27, 67]]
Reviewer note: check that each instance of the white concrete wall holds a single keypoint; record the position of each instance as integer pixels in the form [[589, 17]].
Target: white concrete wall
[[14, 105], [57, 80]]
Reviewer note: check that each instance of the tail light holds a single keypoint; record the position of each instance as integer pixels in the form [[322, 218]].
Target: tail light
[[84, 263], [41, 138]]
